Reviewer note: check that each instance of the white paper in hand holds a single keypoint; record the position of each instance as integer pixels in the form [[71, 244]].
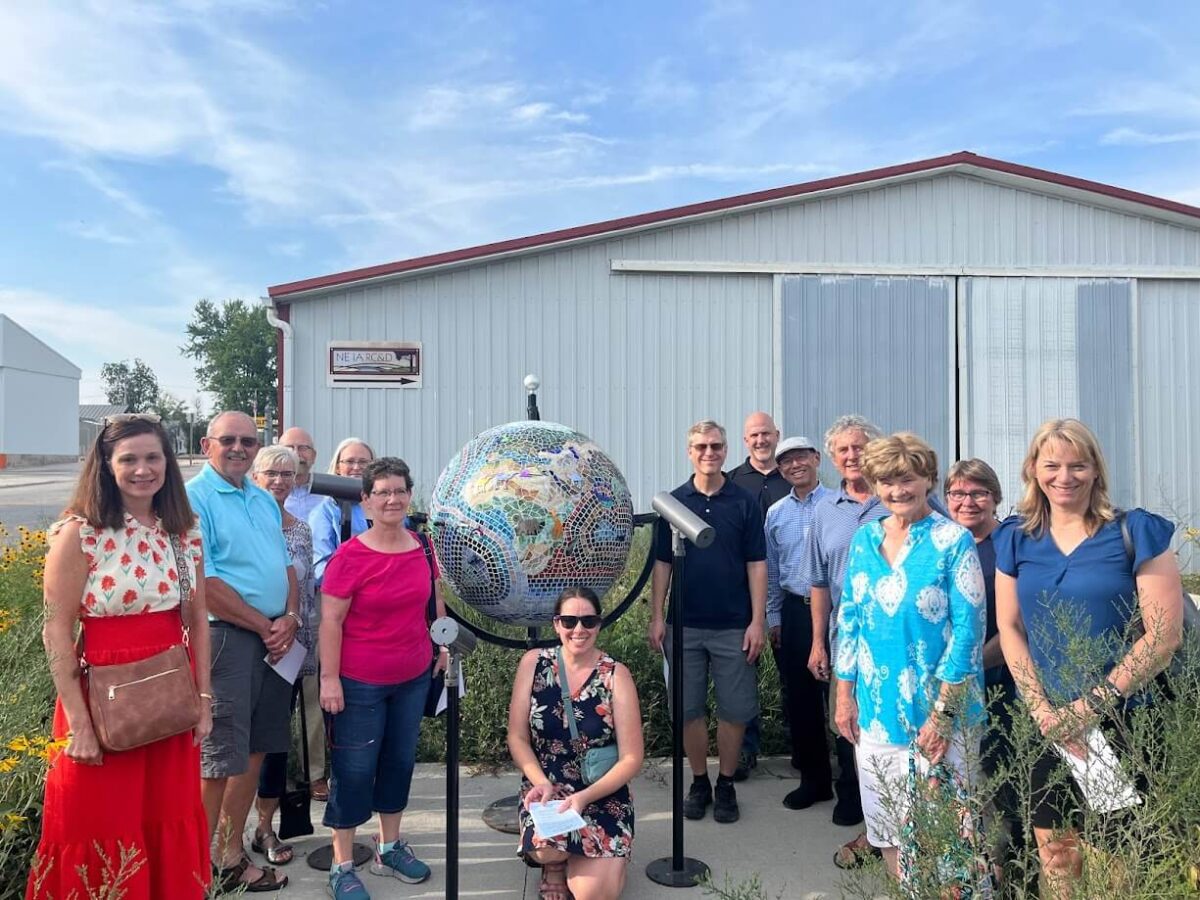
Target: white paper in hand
[[288, 665], [1105, 787], [549, 823]]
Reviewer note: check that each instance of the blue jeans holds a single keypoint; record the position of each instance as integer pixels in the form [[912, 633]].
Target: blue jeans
[[373, 748]]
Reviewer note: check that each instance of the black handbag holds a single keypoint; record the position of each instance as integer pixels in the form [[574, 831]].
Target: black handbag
[[295, 817], [436, 682]]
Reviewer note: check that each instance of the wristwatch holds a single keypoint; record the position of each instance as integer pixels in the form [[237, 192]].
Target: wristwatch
[[944, 709]]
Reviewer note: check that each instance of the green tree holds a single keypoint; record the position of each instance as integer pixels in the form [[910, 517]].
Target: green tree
[[171, 408], [234, 346], [130, 383]]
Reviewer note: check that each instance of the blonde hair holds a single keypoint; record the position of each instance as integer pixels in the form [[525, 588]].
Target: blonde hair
[[978, 471], [1034, 508], [705, 425], [341, 448], [902, 453], [273, 455]]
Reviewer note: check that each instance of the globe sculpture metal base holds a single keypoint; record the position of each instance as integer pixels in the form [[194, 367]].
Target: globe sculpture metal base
[[501, 815], [322, 858], [662, 871]]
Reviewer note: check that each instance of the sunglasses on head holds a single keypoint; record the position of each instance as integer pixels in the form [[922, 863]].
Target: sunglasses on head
[[588, 622], [122, 418], [228, 440]]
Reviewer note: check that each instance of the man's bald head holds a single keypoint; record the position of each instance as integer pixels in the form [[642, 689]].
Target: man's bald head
[[302, 442], [761, 437]]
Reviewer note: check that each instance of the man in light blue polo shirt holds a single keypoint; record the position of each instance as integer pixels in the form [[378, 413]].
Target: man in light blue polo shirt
[[253, 601]]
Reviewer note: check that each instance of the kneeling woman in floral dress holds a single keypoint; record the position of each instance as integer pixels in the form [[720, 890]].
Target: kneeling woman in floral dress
[[591, 862]]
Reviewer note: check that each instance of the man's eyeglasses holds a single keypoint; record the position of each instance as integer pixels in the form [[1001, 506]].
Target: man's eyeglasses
[[122, 418], [389, 494], [300, 448], [588, 622], [274, 473], [960, 496], [229, 440], [714, 446]]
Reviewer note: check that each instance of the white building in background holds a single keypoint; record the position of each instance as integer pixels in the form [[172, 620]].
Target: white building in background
[[964, 298], [39, 400]]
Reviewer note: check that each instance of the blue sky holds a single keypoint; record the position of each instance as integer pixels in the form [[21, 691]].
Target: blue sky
[[152, 154]]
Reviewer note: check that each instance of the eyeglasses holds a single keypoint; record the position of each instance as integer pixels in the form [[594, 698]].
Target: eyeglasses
[[122, 418], [960, 496], [273, 473], [714, 446], [389, 494], [588, 622], [229, 440], [353, 462], [300, 448]]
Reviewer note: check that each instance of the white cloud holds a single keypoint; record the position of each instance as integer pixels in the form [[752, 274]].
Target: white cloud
[[536, 112], [1133, 137], [96, 232]]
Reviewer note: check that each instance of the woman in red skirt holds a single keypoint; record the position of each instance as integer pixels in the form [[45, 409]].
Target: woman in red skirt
[[129, 822]]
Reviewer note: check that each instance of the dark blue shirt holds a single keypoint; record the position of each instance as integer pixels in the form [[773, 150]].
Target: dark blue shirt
[[716, 589], [769, 488], [1084, 598]]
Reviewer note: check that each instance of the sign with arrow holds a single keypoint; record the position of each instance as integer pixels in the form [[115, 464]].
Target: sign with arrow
[[374, 364]]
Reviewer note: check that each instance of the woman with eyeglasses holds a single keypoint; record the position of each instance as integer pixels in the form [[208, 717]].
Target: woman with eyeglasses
[[113, 569], [350, 459], [590, 863], [275, 472], [376, 656]]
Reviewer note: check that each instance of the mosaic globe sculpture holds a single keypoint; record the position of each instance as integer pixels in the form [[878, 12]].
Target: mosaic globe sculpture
[[524, 510]]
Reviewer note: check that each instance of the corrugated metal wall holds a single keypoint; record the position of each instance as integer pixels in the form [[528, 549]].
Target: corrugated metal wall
[[879, 347], [633, 359], [630, 361]]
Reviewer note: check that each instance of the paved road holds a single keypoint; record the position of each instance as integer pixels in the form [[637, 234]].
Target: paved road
[[35, 497]]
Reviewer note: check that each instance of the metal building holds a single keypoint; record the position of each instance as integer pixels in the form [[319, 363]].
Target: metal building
[[965, 298], [39, 400]]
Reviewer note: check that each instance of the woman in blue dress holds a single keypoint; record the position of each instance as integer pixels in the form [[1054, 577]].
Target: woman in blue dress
[[1065, 577], [910, 650]]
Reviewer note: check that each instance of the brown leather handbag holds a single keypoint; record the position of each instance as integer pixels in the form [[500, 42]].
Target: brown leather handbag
[[138, 703]]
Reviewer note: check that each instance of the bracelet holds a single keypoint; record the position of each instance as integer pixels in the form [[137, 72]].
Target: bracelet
[[209, 697], [295, 616]]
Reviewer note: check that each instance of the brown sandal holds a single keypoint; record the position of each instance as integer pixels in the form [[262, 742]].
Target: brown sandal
[[856, 853], [269, 845], [230, 879], [554, 889]]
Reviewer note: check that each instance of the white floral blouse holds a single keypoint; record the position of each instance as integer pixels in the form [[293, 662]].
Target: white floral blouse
[[131, 570]]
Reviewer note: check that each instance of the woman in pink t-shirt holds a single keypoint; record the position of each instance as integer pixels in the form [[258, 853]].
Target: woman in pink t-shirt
[[375, 669]]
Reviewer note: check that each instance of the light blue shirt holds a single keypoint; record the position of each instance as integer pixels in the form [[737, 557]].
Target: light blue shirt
[[302, 501], [904, 628], [788, 521], [325, 520], [242, 530]]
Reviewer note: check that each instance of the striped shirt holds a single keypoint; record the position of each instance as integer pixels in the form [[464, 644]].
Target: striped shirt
[[788, 522]]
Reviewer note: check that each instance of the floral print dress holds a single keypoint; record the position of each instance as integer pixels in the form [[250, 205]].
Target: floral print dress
[[609, 820]]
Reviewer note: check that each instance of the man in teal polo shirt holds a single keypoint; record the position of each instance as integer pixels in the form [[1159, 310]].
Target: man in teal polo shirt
[[253, 601]]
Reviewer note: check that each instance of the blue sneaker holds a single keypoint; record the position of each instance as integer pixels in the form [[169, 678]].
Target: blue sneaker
[[345, 885], [399, 862]]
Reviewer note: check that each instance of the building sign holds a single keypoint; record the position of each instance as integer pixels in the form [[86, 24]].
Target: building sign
[[379, 363]]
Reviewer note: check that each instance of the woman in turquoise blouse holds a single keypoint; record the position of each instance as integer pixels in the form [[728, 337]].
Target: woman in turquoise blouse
[[911, 625]]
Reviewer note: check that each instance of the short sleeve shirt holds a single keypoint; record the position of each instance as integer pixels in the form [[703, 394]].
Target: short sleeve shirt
[[1089, 593], [769, 489], [716, 588], [243, 539], [385, 636], [905, 626]]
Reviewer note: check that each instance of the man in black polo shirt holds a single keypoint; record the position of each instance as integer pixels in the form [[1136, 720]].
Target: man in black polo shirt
[[759, 475], [724, 617]]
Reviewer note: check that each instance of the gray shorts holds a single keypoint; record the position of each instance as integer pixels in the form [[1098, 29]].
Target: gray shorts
[[251, 705], [735, 681]]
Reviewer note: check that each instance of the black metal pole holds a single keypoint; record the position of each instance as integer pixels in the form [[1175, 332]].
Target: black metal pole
[[679, 870], [452, 776], [531, 407]]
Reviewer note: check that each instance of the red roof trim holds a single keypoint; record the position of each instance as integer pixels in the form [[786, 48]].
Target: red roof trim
[[679, 212]]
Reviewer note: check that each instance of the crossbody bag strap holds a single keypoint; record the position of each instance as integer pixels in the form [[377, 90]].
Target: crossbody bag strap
[[568, 706], [1126, 537], [431, 606], [185, 586]]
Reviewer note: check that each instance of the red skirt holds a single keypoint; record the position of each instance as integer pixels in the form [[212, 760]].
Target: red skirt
[[136, 820]]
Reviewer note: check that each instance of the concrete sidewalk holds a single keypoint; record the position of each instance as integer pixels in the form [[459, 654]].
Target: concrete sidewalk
[[792, 852]]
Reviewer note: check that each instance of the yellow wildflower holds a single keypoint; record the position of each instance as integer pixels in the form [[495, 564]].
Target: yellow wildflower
[[19, 744], [9, 763]]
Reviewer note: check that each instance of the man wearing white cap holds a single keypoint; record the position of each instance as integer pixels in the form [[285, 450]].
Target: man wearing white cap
[[789, 619]]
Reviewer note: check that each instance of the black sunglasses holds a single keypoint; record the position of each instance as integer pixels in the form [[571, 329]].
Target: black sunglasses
[[588, 622]]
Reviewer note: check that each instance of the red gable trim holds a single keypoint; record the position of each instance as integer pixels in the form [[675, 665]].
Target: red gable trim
[[727, 203]]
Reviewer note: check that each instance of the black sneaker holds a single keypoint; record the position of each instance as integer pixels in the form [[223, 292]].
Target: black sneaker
[[725, 806], [699, 796], [746, 762]]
